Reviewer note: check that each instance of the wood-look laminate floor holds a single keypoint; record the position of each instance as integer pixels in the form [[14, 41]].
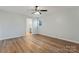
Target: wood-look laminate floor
[[37, 44]]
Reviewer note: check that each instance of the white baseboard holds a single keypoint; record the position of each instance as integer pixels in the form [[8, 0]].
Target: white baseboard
[[66, 39], [5, 38]]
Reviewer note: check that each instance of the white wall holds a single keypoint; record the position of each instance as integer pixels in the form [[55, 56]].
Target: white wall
[[11, 25], [62, 22]]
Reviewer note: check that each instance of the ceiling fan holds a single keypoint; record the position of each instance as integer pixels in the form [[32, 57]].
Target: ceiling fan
[[38, 11]]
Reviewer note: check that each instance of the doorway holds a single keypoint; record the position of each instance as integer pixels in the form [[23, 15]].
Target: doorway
[[33, 25], [28, 25]]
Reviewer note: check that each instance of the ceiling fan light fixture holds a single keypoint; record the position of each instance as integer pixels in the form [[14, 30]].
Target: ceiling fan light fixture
[[37, 13]]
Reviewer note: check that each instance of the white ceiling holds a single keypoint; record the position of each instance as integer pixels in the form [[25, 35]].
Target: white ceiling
[[24, 10], [27, 10], [16, 9]]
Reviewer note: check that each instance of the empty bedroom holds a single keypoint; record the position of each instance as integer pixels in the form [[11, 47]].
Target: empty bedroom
[[39, 29]]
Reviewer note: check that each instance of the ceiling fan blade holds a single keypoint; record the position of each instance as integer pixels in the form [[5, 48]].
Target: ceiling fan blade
[[44, 10]]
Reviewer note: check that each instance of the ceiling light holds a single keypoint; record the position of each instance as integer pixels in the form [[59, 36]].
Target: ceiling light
[[36, 13]]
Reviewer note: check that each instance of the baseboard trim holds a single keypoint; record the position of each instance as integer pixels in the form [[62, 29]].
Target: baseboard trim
[[64, 39], [10, 38]]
